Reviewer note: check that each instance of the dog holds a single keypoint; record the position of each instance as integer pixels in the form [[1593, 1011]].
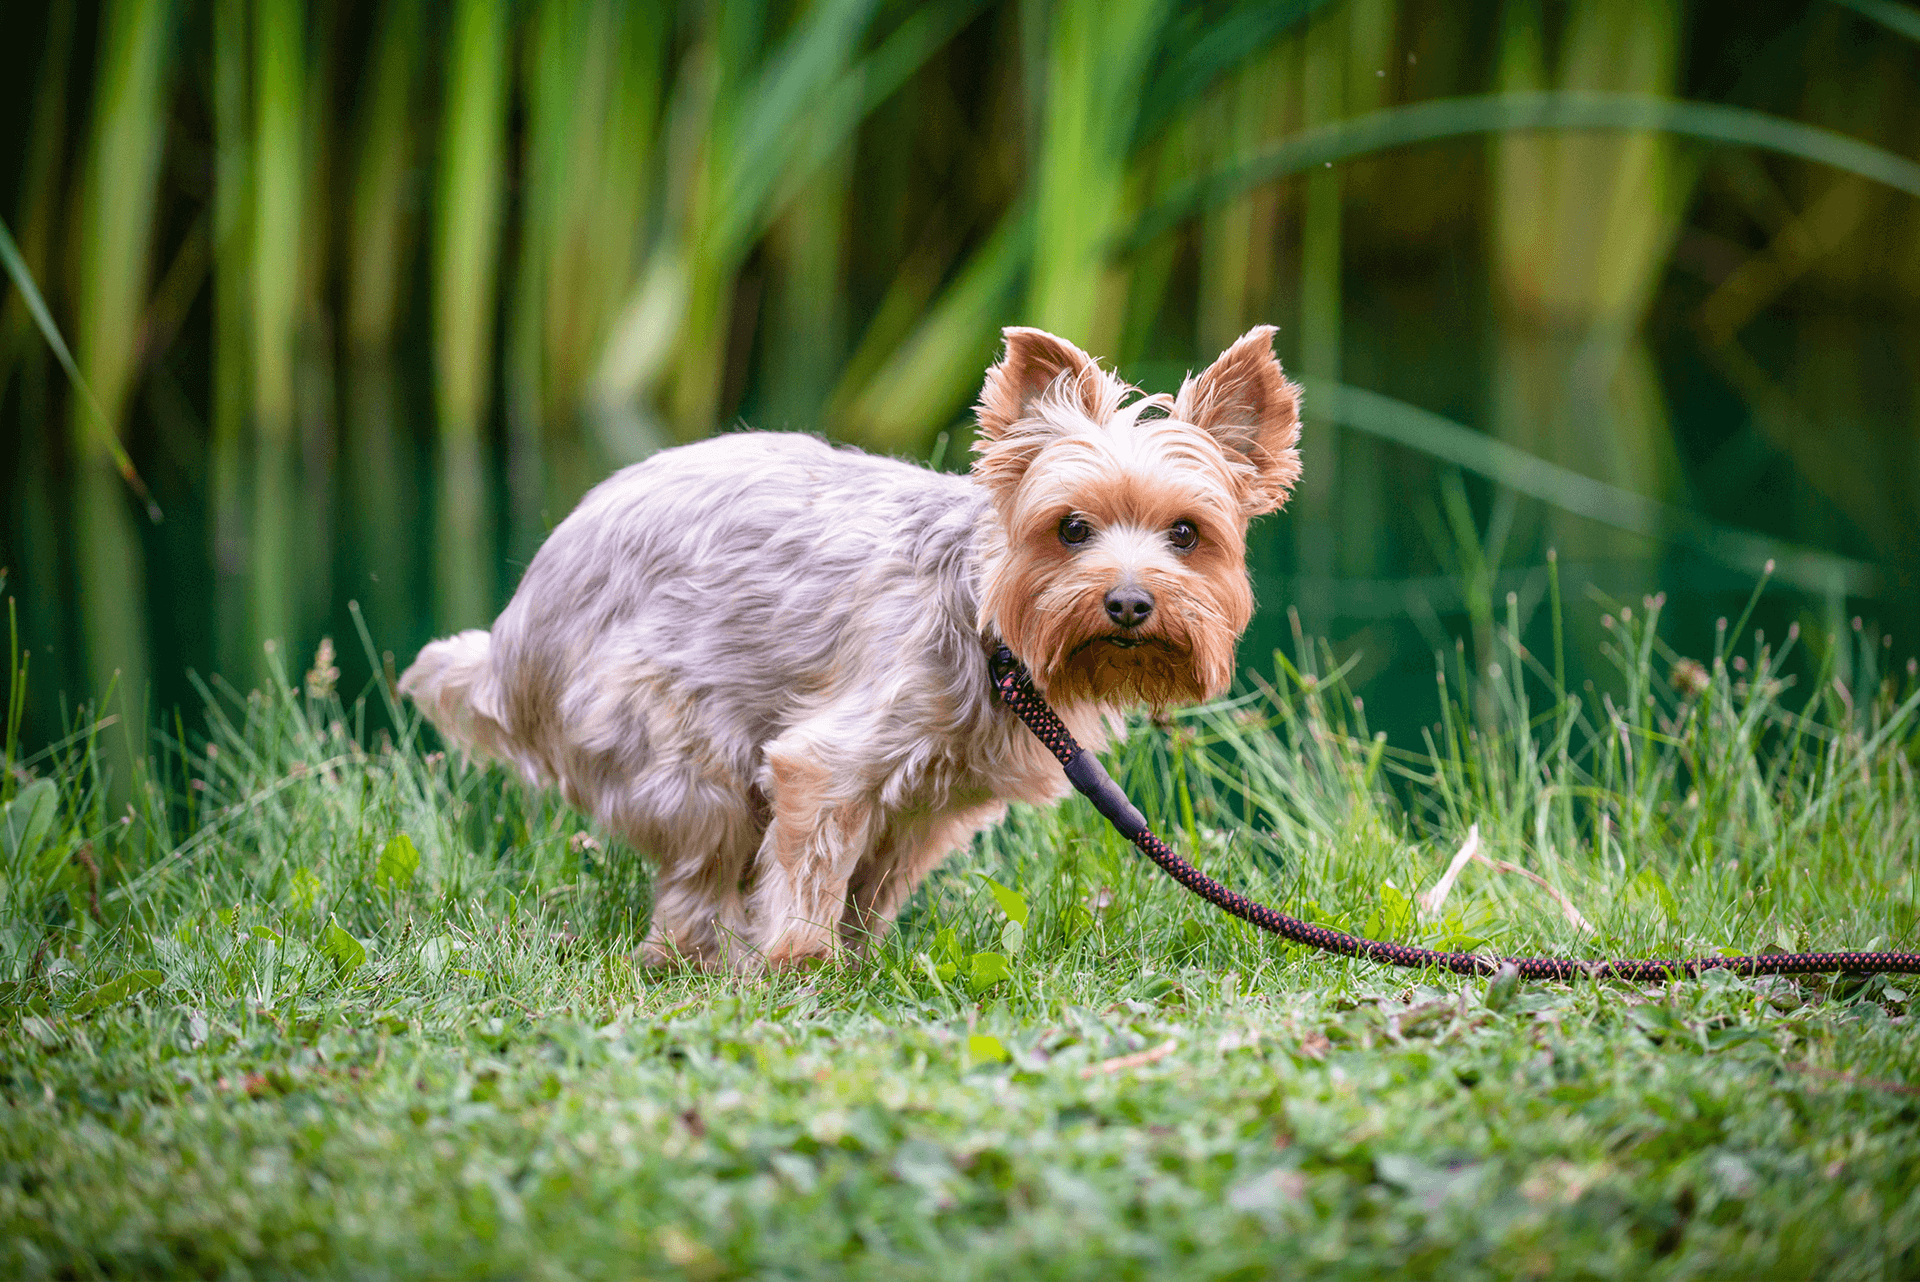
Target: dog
[[764, 660]]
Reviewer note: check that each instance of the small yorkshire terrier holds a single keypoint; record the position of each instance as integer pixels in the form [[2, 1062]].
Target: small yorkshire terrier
[[764, 660]]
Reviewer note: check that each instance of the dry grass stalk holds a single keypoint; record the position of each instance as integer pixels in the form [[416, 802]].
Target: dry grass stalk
[[1431, 899]]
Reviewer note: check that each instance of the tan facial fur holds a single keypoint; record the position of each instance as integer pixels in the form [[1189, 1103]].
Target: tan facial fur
[[1059, 439]]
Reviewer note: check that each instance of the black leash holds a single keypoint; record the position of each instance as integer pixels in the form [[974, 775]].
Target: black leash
[[1086, 773]]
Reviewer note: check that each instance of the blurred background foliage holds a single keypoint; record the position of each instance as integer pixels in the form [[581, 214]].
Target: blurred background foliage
[[372, 293]]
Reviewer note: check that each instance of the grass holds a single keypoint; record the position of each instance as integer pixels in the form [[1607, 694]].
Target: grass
[[325, 1003]]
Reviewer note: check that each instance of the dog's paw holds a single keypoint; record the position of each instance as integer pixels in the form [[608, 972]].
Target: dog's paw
[[805, 949]]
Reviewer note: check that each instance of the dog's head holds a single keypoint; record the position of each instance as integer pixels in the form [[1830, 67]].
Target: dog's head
[[1118, 569]]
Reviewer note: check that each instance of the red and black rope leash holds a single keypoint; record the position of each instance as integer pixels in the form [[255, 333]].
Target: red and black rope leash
[[1087, 775]]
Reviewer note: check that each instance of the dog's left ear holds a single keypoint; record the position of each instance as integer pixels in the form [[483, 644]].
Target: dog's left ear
[[1248, 406]]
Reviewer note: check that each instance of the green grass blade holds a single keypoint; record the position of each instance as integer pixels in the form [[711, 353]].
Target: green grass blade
[[1441, 438], [933, 373], [1460, 117], [37, 307], [1201, 47], [1898, 18]]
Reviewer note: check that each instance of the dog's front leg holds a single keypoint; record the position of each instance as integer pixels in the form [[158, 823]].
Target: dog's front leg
[[881, 884], [824, 823]]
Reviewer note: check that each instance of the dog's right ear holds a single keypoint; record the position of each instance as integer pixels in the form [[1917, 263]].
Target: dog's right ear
[[1035, 362], [1014, 425]]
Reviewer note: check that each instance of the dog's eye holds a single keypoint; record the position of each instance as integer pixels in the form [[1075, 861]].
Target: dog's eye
[[1182, 535], [1074, 529]]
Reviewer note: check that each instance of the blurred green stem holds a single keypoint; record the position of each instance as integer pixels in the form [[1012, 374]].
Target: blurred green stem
[[1315, 532], [467, 212], [378, 255], [117, 229], [1582, 225], [1096, 59], [232, 337], [277, 176]]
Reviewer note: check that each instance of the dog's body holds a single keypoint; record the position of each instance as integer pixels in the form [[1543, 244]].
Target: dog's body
[[763, 660]]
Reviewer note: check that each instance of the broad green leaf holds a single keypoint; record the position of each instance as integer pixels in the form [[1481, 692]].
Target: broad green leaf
[[398, 862], [939, 972], [438, 951], [1013, 937], [1657, 1022], [985, 1048], [348, 953], [28, 817], [1161, 988], [1012, 902], [117, 990], [987, 969], [1394, 916], [267, 933], [1500, 992], [946, 945]]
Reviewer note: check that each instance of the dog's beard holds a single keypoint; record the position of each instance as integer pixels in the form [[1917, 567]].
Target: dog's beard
[[1125, 670], [1183, 656], [1050, 608]]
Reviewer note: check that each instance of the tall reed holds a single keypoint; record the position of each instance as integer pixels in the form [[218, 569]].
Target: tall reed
[[119, 197], [465, 259], [468, 196]]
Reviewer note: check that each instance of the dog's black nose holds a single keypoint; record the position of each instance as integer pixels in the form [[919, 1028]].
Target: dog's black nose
[[1129, 606]]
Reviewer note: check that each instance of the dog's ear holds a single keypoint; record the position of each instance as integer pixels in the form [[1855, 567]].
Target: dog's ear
[[1036, 361], [1013, 428], [1247, 404]]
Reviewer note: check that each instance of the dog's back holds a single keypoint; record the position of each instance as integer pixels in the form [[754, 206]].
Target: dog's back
[[697, 602]]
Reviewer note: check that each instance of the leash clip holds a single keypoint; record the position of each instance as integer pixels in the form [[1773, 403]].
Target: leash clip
[[1001, 665]]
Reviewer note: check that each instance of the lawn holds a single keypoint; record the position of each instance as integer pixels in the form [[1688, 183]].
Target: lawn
[[319, 1001]]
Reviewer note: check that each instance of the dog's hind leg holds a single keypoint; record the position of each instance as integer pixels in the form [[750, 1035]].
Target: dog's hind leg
[[701, 849], [697, 921]]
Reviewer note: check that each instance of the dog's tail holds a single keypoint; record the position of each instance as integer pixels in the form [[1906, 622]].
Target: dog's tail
[[452, 681]]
